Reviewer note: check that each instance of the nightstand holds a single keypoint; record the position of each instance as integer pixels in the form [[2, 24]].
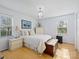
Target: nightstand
[[15, 43], [60, 39]]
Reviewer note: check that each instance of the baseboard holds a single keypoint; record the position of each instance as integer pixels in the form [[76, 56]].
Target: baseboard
[[68, 43], [3, 50]]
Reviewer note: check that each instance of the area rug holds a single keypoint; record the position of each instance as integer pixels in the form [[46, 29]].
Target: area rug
[[62, 54]]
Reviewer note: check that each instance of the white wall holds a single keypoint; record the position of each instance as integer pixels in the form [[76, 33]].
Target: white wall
[[50, 26], [16, 17]]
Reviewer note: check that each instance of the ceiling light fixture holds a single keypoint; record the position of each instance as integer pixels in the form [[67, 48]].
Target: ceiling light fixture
[[40, 12]]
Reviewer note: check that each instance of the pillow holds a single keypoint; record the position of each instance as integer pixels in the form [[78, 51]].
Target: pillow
[[25, 33], [32, 32], [39, 30]]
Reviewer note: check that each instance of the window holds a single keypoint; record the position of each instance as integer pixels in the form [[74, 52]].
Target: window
[[5, 26]]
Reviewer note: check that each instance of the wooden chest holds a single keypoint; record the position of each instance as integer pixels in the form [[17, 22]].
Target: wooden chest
[[50, 49]]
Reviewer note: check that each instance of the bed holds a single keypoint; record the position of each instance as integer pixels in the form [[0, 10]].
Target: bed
[[37, 42]]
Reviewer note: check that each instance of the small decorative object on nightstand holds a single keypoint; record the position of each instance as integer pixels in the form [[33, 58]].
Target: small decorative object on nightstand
[[60, 39], [15, 43]]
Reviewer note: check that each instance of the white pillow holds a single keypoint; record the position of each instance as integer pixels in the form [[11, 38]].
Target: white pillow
[[25, 33], [32, 32]]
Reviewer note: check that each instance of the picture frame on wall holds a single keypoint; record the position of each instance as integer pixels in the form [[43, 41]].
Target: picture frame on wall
[[25, 24]]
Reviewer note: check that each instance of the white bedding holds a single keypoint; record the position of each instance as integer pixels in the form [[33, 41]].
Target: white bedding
[[36, 42]]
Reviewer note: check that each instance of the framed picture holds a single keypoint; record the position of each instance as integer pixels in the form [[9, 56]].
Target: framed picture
[[26, 24]]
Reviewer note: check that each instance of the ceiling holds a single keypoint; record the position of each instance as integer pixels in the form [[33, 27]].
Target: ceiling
[[51, 7]]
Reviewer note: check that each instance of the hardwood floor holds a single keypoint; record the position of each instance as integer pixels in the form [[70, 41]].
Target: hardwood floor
[[26, 53], [72, 51]]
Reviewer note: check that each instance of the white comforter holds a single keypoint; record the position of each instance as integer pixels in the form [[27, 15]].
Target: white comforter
[[36, 42]]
